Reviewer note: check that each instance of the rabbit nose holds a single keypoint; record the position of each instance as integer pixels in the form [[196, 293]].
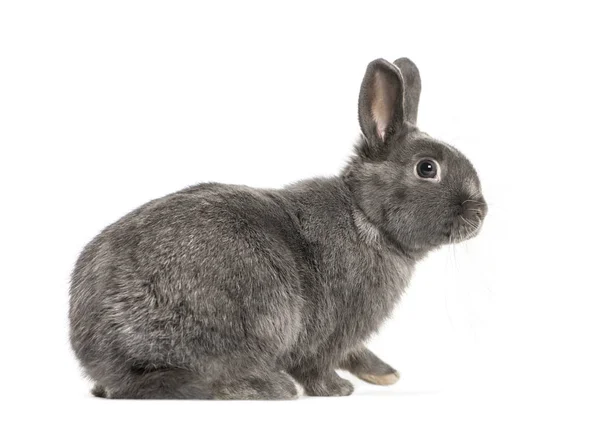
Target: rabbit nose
[[474, 210]]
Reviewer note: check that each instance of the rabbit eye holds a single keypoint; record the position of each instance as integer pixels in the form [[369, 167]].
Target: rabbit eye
[[427, 168]]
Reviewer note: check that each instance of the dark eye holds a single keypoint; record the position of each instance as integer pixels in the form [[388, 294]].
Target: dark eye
[[427, 168]]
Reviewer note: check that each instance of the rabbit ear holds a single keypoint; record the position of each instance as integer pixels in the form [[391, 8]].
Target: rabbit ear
[[412, 88], [380, 104]]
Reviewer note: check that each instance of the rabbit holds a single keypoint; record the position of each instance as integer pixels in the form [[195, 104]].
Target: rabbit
[[230, 292]]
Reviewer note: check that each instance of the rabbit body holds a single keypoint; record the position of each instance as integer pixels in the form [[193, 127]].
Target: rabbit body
[[231, 292], [221, 279]]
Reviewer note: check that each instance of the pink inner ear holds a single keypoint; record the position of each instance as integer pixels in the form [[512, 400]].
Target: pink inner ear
[[384, 98]]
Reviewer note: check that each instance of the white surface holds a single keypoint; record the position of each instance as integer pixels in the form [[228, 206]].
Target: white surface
[[106, 105]]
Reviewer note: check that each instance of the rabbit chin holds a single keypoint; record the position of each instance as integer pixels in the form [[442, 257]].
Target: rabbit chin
[[463, 232]]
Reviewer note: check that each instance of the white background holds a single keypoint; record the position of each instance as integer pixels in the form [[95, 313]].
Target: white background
[[106, 105]]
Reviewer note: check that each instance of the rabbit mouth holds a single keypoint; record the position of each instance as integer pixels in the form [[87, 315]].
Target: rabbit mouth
[[464, 229]]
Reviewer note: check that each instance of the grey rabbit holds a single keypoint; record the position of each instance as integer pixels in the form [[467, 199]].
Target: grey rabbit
[[231, 292]]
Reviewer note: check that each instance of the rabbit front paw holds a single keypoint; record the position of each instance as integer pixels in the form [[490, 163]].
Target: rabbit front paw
[[368, 367]]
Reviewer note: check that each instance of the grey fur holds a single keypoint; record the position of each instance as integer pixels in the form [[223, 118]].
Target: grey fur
[[231, 292]]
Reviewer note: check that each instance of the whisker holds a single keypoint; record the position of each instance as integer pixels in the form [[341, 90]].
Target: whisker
[[448, 258], [472, 201], [454, 254], [472, 225]]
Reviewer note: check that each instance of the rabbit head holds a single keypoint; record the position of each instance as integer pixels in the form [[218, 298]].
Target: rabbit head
[[419, 192]]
